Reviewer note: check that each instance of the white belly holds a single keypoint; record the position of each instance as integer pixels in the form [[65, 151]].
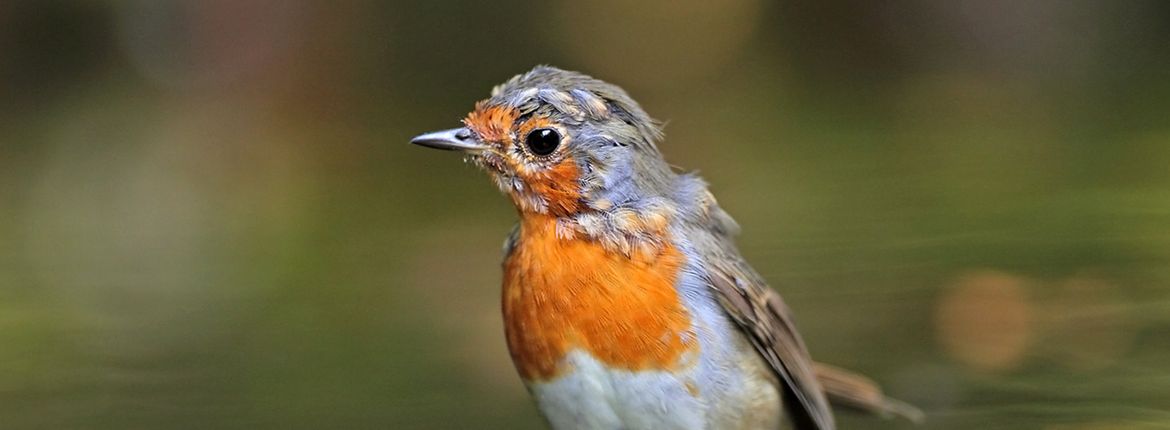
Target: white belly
[[591, 396]]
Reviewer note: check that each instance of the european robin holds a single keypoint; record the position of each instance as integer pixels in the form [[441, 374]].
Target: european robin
[[626, 303]]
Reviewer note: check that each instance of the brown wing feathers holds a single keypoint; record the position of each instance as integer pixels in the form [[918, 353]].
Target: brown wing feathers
[[808, 387], [763, 317]]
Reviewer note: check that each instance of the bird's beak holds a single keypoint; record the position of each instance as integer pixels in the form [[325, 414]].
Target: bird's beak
[[456, 139]]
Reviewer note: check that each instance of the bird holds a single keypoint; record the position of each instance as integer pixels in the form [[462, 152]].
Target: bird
[[626, 304]]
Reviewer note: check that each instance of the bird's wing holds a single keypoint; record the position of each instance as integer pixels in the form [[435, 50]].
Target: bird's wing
[[764, 317]]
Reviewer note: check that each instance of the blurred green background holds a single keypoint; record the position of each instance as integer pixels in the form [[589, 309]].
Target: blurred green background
[[210, 216]]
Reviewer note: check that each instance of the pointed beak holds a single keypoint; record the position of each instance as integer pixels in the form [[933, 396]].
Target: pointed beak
[[456, 139]]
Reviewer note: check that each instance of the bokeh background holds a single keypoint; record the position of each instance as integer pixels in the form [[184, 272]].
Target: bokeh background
[[210, 216]]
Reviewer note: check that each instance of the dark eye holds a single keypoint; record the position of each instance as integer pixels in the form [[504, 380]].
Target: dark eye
[[543, 141]]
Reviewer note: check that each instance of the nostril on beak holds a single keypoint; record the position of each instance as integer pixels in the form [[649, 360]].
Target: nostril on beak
[[463, 134], [456, 139]]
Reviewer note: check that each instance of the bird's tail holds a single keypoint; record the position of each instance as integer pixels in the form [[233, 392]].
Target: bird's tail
[[851, 390]]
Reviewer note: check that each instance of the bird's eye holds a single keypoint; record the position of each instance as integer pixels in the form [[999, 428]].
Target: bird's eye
[[543, 141]]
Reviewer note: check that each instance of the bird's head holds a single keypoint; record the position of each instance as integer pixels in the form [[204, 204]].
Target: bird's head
[[561, 143]]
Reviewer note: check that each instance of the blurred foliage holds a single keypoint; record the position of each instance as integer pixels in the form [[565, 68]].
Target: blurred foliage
[[210, 217]]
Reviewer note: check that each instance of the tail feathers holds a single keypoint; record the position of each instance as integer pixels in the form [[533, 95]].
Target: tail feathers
[[851, 390]]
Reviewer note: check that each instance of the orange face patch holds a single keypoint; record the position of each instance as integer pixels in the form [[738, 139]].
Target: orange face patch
[[556, 185], [562, 294], [492, 123], [559, 188]]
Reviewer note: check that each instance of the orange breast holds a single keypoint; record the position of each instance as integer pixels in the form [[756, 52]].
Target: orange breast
[[561, 294]]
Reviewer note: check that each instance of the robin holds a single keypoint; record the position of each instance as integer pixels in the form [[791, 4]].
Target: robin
[[626, 303]]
